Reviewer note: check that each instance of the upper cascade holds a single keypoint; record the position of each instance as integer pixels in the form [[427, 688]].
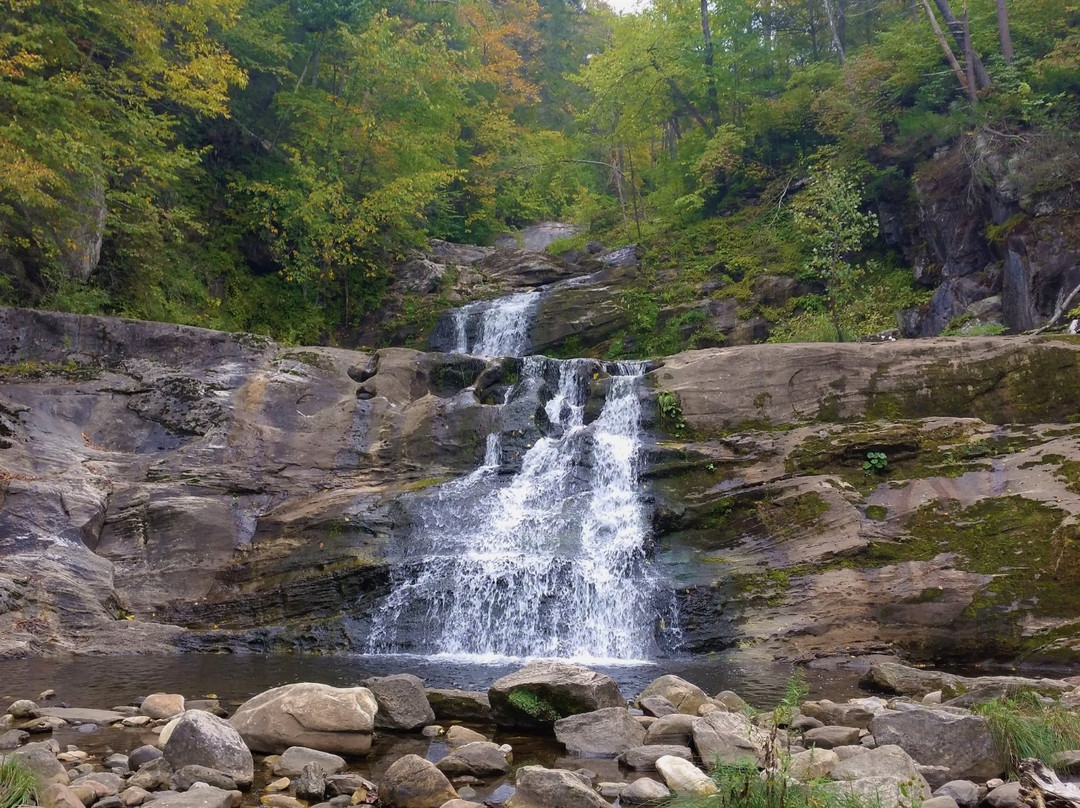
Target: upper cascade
[[548, 562], [493, 327]]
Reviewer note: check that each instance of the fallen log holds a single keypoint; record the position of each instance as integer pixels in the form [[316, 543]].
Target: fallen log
[[1041, 788]]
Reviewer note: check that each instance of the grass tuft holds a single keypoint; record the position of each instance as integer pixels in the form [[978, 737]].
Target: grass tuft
[[18, 785], [1024, 726]]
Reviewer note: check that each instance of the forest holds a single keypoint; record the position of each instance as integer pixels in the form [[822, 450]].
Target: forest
[[262, 165]]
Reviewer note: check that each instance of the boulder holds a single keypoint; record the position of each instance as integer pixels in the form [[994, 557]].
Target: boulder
[[828, 737], [644, 791], [202, 797], [412, 782], [682, 695], [673, 730], [22, 708], [881, 792], [885, 761], [292, 761], [966, 793], [318, 716], [962, 743], [13, 738], [643, 758], [601, 733], [459, 736], [537, 787], [543, 692], [478, 759], [656, 706], [939, 802], [152, 775], [162, 705], [402, 702], [725, 738], [59, 795], [459, 705], [186, 777], [142, 755], [1006, 796], [311, 784], [684, 778], [812, 763], [43, 763], [203, 739]]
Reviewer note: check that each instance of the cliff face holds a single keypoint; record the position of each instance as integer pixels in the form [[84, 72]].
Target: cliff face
[[172, 488]]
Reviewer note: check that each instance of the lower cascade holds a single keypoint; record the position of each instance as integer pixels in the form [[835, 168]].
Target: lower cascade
[[549, 561]]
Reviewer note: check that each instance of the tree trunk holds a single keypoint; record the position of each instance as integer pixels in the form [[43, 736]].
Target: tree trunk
[[949, 55], [956, 28], [835, 33], [1003, 32], [714, 103], [969, 61]]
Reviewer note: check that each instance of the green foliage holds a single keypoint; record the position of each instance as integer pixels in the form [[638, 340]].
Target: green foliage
[[875, 463], [533, 705], [1026, 726], [671, 415], [18, 785]]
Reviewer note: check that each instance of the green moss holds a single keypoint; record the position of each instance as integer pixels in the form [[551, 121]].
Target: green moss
[[1069, 471], [315, 360], [538, 706], [32, 369], [877, 512], [427, 482]]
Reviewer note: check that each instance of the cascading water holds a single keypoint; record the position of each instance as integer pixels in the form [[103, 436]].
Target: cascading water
[[549, 561], [494, 327]]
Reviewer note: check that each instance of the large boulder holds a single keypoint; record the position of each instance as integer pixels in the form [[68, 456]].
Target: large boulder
[[601, 733], [201, 739], [671, 730], [292, 761], [684, 696], [728, 738], [537, 787], [403, 703], [884, 761], [462, 705], [162, 705], [541, 693], [330, 719], [477, 759], [962, 743], [684, 778], [412, 782]]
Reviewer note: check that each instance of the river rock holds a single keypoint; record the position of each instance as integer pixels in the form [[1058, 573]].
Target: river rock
[[643, 758], [22, 708], [685, 697], [43, 763], [142, 755], [412, 782], [1006, 796], [59, 795], [402, 702], [673, 730], [459, 803], [293, 760], [543, 692], [885, 761], [311, 784], [644, 791], [208, 705], [202, 739], [318, 716], [962, 743], [133, 795], [459, 736], [347, 784], [939, 802], [162, 705], [684, 778], [111, 783], [656, 706], [538, 787], [13, 738], [152, 775], [601, 733], [203, 797], [828, 737], [187, 776], [479, 759], [812, 763], [459, 705], [882, 792], [727, 738], [966, 793]]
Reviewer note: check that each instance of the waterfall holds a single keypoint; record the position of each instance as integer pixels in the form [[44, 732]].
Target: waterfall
[[491, 327], [550, 561]]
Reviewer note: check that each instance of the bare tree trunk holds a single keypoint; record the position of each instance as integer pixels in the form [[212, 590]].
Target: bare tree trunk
[[949, 55], [969, 61], [714, 103], [956, 28], [835, 33], [1003, 32]]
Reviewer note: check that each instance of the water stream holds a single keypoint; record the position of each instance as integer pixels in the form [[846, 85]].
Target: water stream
[[548, 560]]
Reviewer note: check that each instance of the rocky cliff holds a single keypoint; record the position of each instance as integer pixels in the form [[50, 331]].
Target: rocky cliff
[[169, 488]]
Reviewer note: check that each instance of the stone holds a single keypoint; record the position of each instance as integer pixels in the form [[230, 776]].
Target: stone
[[727, 738], [462, 804], [684, 778], [412, 782], [602, 733], [203, 797], [203, 739], [293, 760], [207, 705], [459, 705], [281, 784], [673, 730], [311, 784], [643, 758], [805, 722], [882, 792], [111, 783], [537, 787], [162, 705], [479, 759], [656, 706], [966, 793], [133, 795], [962, 743], [80, 715], [1005, 796], [644, 791], [402, 702], [812, 763], [280, 801], [828, 737], [433, 731], [939, 802], [684, 696], [187, 776], [47, 723], [459, 736], [1065, 763], [152, 775], [137, 721], [732, 700], [58, 795], [540, 693], [348, 784], [43, 763], [22, 708], [13, 738], [142, 755], [885, 761], [318, 716]]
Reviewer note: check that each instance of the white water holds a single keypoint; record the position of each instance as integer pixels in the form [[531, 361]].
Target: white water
[[495, 327], [548, 562]]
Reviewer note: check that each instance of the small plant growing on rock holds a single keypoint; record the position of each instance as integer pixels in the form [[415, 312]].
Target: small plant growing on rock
[[671, 414], [875, 463], [18, 785]]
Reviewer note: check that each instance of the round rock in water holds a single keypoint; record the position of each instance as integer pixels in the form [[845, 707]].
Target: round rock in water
[[162, 705], [479, 759], [644, 792], [684, 696], [202, 739], [403, 703], [412, 782], [537, 787], [600, 734], [543, 692], [295, 759], [331, 719]]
